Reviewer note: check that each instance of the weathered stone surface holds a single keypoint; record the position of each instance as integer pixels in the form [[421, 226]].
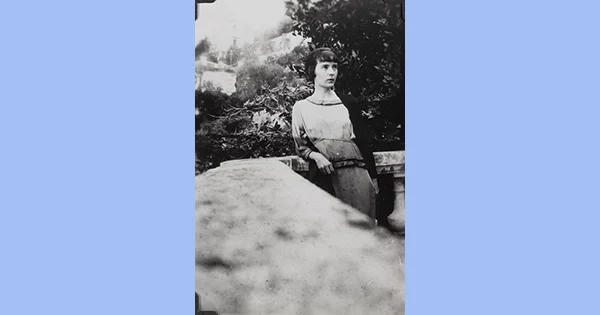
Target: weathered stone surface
[[386, 162], [269, 242]]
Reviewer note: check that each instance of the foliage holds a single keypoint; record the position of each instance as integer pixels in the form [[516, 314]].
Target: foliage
[[252, 78], [279, 101], [212, 149], [236, 130], [234, 125], [213, 56], [293, 59], [233, 56], [249, 53], [367, 35], [203, 47], [264, 120], [210, 86], [212, 104]]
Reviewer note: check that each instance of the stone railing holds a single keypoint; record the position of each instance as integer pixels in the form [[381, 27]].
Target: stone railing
[[270, 242], [387, 163]]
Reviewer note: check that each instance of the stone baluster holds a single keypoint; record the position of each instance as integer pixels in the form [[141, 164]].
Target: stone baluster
[[392, 163], [397, 218]]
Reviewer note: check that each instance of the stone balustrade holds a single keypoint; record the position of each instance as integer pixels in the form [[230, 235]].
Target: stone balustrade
[[270, 242], [387, 163]]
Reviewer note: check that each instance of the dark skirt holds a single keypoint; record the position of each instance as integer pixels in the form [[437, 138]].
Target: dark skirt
[[354, 186]]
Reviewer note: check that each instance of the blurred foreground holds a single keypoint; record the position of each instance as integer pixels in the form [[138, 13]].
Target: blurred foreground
[[269, 242]]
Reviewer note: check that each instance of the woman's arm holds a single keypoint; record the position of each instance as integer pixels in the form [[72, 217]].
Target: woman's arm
[[301, 145], [303, 148]]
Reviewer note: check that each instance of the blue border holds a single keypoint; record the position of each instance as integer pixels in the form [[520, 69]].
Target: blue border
[[502, 125], [97, 157]]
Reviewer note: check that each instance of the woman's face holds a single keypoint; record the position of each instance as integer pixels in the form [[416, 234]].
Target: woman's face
[[326, 73]]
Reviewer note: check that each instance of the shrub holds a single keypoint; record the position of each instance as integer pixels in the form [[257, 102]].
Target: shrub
[[213, 148], [252, 77], [259, 128], [212, 104]]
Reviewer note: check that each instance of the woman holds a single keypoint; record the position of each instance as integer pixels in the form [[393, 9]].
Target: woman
[[329, 132]]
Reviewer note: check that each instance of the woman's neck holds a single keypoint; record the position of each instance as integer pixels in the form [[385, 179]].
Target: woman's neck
[[322, 93]]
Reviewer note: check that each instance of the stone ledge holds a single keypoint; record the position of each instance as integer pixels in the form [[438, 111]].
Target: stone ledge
[[270, 242], [387, 162]]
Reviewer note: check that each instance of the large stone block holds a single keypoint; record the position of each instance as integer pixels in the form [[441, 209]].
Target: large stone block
[[270, 242]]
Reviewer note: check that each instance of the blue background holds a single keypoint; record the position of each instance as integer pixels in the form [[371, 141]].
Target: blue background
[[96, 152]]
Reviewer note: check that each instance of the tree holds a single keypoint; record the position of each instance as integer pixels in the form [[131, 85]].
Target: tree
[[367, 35], [213, 56], [233, 56], [202, 47]]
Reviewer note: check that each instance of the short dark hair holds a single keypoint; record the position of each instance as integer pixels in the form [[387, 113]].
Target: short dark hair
[[318, 55]]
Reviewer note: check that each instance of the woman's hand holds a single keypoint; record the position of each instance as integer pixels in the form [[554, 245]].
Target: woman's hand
[[323, 163]]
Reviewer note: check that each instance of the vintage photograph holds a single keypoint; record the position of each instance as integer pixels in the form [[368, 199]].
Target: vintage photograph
[[300, 157]]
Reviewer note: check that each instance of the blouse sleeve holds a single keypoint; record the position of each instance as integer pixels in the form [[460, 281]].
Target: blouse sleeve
[[298, 133]]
